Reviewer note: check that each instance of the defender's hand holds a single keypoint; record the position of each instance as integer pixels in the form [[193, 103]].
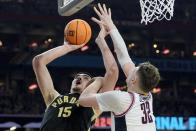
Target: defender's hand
[[102, 34], [105, 17]]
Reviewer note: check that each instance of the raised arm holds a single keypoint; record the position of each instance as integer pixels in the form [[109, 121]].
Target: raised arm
[[106, 83], [111, 75], [42, 74], [124, 59]]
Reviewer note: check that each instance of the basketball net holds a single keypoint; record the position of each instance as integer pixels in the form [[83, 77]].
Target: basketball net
[[156, 9]]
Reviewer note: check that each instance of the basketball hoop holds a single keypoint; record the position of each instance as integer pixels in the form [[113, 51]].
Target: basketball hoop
[[156, 9], [69, 7]]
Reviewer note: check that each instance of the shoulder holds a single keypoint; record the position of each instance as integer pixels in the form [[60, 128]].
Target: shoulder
[[120, 93], [115, 95], [55, 98], [110, 93]]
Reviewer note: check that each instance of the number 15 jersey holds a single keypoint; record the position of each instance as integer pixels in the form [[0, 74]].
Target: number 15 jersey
[[130, 111], [65, 114]]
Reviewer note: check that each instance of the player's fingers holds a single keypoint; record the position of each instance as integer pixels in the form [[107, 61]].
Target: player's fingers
[[101, 26], [82, 45], [105, 9], [77, 46], [109, 12], [97, 12], [65, 41], [100, 8], [96, 21]]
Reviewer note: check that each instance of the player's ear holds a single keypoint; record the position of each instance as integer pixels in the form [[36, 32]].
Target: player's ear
[[134, 80]]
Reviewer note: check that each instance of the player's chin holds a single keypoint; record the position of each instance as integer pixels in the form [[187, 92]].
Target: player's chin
[[76, 89]]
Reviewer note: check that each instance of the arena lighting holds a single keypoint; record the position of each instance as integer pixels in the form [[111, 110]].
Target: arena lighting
[[156, 90], [84, 48], [194, 53], [33, 86], [155, 45], [166, 51], [1, 43], [157, 51], [195, 90], [131, 45], [33, 44], [2, 83], [13, 128], [49, 40], [45, 42]]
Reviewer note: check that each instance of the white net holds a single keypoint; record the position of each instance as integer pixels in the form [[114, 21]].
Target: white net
[[156, 9]]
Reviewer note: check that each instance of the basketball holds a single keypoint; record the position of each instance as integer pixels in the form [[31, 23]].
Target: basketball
[[77, 32]]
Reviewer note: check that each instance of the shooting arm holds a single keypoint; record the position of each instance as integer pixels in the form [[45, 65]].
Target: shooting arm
[[42, 74]]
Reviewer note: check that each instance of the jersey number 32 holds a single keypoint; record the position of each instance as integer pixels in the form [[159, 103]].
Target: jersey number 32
[[147, 118]]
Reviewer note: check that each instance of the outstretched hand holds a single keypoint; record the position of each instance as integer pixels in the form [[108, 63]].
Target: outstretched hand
[[104, 16]]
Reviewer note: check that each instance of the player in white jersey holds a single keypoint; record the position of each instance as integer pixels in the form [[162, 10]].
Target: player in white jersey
[[133, 109]]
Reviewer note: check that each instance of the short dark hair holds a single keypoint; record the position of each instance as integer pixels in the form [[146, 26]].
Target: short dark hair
[[149, 76], [88, 74]]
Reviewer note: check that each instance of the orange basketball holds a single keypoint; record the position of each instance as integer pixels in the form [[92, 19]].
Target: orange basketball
[[77, 32]]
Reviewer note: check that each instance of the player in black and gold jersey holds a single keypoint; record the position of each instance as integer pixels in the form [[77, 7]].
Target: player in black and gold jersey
[[63, 112]]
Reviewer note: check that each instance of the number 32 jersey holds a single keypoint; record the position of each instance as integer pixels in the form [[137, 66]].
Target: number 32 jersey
[[130, 111], [65, 114]]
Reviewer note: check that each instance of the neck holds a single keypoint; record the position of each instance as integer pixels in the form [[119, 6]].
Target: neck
[[136, 90], [75, 92]]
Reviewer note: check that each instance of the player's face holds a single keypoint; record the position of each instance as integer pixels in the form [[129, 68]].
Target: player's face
[[131, 79], [79, 83]]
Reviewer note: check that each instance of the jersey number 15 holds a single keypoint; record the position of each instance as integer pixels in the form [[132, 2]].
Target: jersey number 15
[[64, 111]]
